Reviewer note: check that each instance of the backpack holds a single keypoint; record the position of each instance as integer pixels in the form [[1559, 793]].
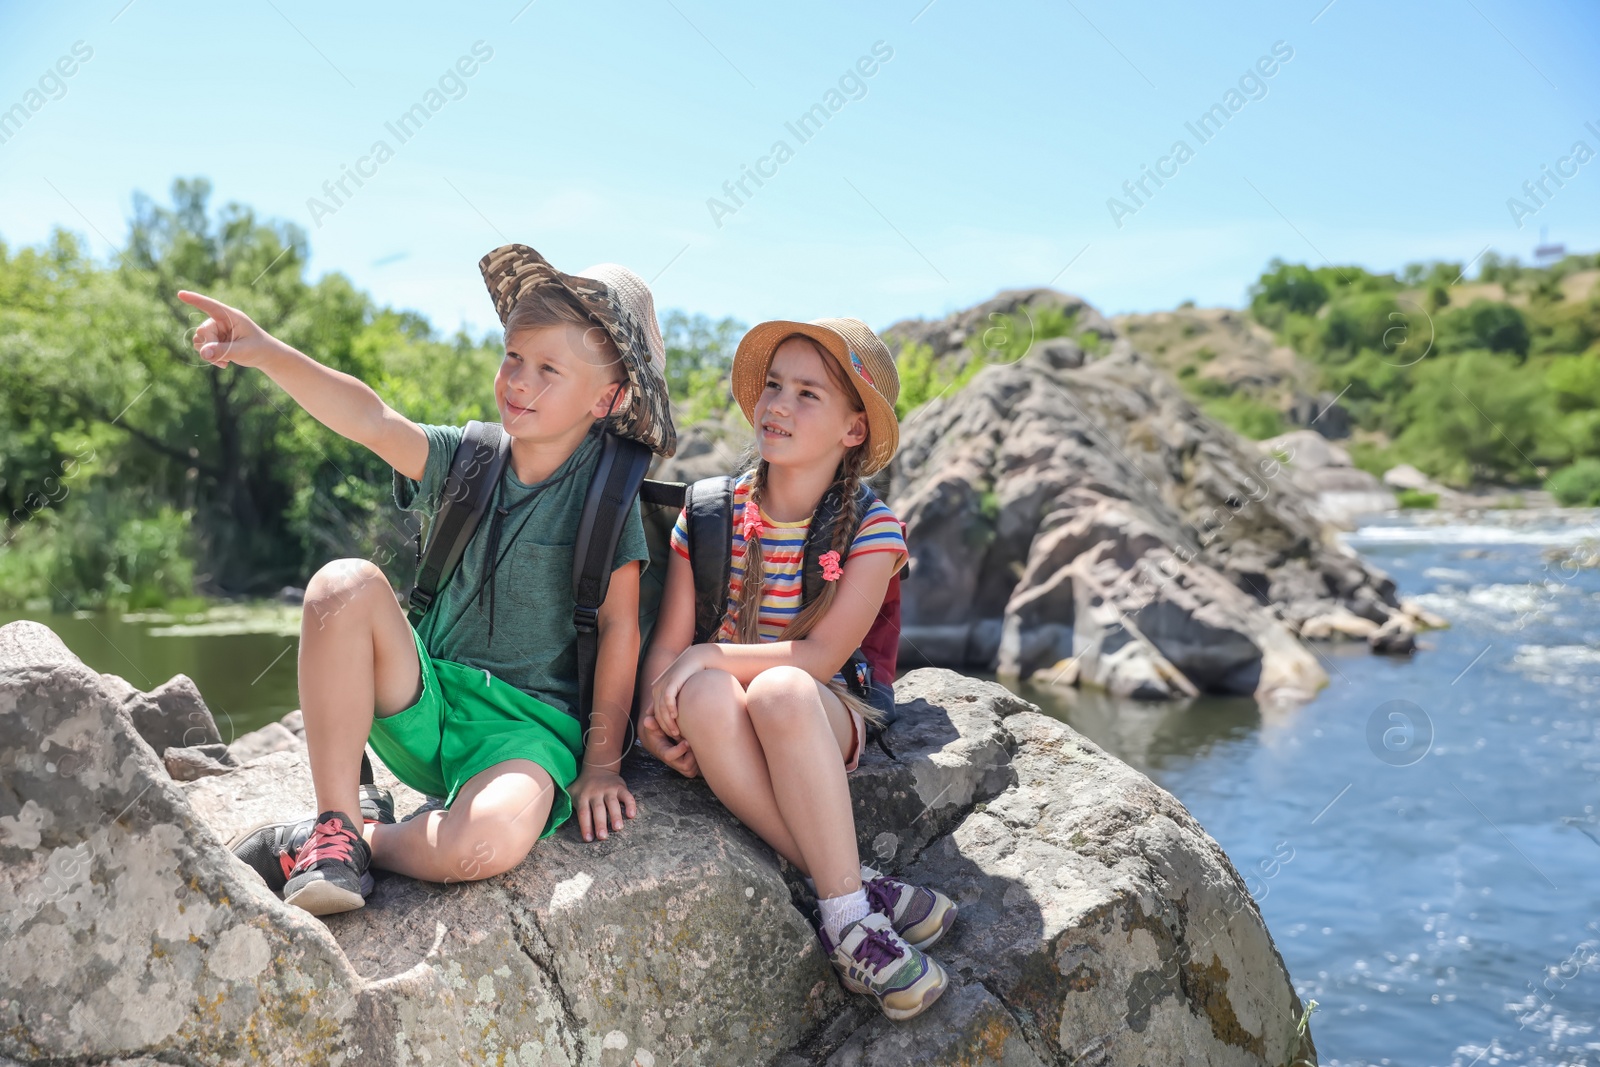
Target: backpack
[[618, 477], [709, 526]]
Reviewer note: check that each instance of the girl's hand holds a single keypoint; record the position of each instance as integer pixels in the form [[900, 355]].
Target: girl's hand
[[600, 798], [679, 756], [229, 335], [664, 694]]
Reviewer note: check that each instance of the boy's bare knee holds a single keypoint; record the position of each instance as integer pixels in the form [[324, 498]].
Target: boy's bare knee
[[491, 847], [339, 585]]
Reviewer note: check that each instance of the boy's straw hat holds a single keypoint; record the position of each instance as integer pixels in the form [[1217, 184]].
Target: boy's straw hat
[[866, 362], [619, 300]]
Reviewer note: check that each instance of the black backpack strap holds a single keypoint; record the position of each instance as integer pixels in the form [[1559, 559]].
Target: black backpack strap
[[709, 524], [468, 489], [617, 476], [819, 538]]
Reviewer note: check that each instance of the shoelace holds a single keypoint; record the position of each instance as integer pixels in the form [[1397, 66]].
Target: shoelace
[[330, 840], [878, 949], [882, 896], [287, 855]]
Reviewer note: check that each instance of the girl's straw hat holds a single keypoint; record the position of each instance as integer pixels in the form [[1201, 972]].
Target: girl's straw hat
[[866, 362], [620, 301]]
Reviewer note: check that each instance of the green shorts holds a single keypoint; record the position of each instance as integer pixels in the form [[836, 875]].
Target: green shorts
[[465, 722]]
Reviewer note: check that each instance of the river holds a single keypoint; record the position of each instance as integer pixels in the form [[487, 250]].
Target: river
[[1422, 838]]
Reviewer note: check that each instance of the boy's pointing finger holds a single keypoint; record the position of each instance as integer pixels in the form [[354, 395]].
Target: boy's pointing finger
[[215, 308]]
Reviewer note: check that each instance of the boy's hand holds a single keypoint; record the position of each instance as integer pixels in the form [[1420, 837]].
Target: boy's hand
[[675, 754], [229, 335], [600, 798]]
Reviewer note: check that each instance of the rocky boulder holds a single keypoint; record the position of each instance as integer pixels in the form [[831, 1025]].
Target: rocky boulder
[[1099, 922], [1072, 515], [1341, 492]]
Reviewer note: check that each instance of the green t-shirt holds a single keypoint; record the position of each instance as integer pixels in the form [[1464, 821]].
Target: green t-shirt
[[534, 645]]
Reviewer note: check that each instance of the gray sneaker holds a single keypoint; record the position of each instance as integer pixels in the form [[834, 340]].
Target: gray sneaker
[[270, 849], [872, 959], [332, 869]]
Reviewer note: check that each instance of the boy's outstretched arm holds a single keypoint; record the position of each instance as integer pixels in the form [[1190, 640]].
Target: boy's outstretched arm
[[600, 798], [343, 404]]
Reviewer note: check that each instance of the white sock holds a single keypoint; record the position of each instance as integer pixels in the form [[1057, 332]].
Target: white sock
[[867, 875], [839, 912]]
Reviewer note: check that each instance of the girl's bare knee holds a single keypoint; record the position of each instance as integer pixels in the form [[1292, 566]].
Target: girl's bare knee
[[781, 692], [710, 701]]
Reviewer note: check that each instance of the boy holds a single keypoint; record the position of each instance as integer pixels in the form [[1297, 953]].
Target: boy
[[478, 704]]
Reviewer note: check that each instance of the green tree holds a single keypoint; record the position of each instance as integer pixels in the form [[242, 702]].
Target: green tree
[[1286, 288], [98, 373], [1475, 417], [699, 358], [1487, 324]]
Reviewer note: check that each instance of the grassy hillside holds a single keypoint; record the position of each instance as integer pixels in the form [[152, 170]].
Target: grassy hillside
[[1493, 380]]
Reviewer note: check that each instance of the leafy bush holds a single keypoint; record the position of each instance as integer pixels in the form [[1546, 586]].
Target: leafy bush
[[1247, 415], [1009, 337], [1493, 392], [1284, 289], [1578, 485], [1416, 498], [108, 551], [1474, 417]]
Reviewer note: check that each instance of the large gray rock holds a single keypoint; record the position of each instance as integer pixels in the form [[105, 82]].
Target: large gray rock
[[1024, 488], [1068, 885], [273, 737], [172, 715], [1342, 492], [1095, 914]]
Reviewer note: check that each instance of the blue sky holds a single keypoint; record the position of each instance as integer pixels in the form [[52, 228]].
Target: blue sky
[[979, 156]]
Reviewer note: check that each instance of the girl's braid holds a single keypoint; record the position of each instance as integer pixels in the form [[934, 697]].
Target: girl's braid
[[747, 617]]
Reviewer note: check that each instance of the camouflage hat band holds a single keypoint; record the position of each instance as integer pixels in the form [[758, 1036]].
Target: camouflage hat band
[[621, 302]]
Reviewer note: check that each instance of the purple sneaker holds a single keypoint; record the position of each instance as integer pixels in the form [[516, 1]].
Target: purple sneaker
[[872, 959], [919, 915]]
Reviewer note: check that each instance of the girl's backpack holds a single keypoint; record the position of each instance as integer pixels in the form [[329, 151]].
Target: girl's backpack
[[709, 504]]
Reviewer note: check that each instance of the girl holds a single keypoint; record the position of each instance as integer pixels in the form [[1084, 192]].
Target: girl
[[761, 711]]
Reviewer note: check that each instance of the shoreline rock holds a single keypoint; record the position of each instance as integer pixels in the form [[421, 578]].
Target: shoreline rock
[[1098, 919]]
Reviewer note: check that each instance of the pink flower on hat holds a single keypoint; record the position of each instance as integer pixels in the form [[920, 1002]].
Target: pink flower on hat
[[831, 571], [750, 522]]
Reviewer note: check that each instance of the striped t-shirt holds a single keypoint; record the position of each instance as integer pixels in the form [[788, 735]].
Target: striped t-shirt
[[783, 547]]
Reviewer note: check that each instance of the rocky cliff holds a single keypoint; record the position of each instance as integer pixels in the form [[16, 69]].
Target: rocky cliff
[[1099, 923], [1075, 518]]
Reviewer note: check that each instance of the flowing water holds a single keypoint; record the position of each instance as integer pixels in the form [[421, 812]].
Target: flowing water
[[1423, 837]]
